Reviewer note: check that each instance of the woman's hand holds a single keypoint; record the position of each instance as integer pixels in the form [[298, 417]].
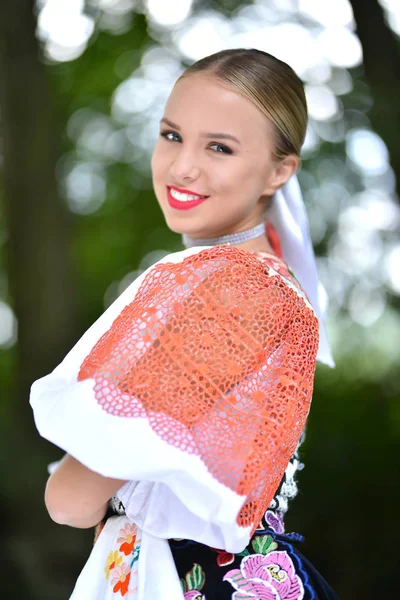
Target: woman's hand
[[77, 496]]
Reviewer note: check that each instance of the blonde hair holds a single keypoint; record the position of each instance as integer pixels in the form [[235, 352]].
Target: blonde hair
[[270, 84]]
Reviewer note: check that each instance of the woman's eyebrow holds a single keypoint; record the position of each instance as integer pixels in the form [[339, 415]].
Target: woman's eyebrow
[[221, 136], [170, 123]]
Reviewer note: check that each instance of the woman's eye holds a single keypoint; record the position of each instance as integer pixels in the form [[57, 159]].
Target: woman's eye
[[172, 136], [221, 148]]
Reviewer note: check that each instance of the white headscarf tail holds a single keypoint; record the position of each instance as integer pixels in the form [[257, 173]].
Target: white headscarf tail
[[288, 215]]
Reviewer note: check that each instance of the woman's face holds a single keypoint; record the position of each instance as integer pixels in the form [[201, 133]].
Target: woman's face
[[213, 160]]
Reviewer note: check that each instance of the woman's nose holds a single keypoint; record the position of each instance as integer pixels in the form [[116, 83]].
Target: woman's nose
[[185, 166]]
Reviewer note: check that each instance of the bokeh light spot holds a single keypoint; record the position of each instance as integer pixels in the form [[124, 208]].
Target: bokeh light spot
[[8, 326], [168, 14], [367, 151]]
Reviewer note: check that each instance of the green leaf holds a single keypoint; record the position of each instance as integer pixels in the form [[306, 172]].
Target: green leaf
[[263, 544], [195, 578], [135, 555], [184, 586]]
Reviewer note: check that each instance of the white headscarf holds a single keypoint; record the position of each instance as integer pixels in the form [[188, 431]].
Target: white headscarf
[[288, 215]]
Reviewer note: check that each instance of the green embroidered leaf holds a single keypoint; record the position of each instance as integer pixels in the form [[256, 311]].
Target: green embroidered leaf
[[245, 552], [135, 555], [263, 544], [195, 578], [184, 586]]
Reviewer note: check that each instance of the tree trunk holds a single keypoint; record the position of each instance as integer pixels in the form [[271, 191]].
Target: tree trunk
[[42, 295], [382, 70]]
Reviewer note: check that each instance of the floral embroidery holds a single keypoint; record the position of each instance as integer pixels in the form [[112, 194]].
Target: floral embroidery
[[122, 574], [224, 558], [277, 265], [135, 555], [269, 576], [127, 538], [262, 544], [121, 577], [194, 595], [114, 559], [283, 270], [275, 521], [193, 583]]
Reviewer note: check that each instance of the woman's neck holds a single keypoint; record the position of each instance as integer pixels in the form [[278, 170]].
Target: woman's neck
[[260, 244]]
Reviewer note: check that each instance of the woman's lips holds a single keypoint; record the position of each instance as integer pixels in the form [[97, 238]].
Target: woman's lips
[[183, 205]]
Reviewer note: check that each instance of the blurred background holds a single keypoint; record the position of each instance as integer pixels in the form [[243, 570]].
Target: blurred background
[[82, 87]]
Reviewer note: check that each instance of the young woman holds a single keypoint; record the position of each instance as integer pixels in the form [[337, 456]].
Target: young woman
[[185, 402]]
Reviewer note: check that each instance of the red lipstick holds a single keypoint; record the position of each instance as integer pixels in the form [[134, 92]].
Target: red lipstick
[[183, 205]]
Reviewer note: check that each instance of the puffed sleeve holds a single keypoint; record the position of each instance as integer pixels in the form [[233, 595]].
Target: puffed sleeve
[[194, 386]]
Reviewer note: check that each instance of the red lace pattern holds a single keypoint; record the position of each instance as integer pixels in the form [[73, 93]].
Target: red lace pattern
[[219, 355]]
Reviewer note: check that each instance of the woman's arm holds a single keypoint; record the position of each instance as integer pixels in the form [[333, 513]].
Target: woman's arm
[[77, 496]]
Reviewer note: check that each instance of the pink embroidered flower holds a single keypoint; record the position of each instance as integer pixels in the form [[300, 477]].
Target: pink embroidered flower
[[266, 577], [114, 559], [194, 595], [121, 577], [193, 583], [127, 538]]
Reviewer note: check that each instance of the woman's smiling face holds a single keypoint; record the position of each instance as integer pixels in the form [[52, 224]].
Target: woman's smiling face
[[214, 142]]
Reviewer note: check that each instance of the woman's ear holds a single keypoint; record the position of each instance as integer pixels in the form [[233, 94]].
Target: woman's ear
[[281, 173]]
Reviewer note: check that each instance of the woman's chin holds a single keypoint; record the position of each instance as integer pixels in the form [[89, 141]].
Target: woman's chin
[[181, 228], [190, 227]]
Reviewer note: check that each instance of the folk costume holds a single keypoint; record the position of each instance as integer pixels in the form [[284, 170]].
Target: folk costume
[[194, 386]]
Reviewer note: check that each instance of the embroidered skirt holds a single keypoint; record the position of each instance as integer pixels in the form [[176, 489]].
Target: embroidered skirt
[[270, 568]]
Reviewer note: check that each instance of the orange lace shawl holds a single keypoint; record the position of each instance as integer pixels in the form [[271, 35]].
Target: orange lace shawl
[[218, 352]]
